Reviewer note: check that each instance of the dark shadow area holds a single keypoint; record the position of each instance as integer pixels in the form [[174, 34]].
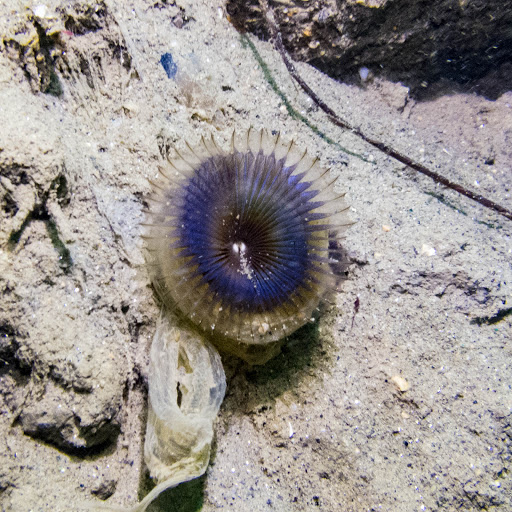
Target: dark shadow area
[[261, 384], [434, 48], [297, 353], [467, 75], [187, 497], [10, 363], [491, 85], [494, 319]]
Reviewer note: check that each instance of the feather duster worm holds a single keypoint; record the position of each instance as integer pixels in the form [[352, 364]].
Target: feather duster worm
[[238, 240]]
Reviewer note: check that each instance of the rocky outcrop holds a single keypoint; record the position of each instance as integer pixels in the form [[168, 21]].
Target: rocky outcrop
[[416, 42]]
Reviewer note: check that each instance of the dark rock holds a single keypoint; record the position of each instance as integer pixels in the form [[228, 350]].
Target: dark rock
[[415, 42], [105, 489], [58, 418]]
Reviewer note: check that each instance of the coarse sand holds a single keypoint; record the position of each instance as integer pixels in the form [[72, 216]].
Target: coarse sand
[[397, 399]]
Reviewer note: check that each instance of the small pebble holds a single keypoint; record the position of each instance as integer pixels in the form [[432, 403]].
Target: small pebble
[[40, 11], [364, 73], [427, 250], [400, 383]]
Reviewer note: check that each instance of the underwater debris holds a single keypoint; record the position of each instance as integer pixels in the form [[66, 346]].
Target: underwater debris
[[170, 67]]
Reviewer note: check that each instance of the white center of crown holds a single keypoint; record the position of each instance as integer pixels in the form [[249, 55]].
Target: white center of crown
[[239, 248]]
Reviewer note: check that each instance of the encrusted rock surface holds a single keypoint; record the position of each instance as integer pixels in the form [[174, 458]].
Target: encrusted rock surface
[[412, 41]]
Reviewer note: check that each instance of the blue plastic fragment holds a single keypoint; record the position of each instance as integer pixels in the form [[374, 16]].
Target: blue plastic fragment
[[170, 67]]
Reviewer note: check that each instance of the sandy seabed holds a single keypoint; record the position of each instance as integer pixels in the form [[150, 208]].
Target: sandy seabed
[[401, 406]]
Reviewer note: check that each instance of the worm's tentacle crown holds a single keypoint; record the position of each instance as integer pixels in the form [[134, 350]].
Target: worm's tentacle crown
[[238, 240]]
